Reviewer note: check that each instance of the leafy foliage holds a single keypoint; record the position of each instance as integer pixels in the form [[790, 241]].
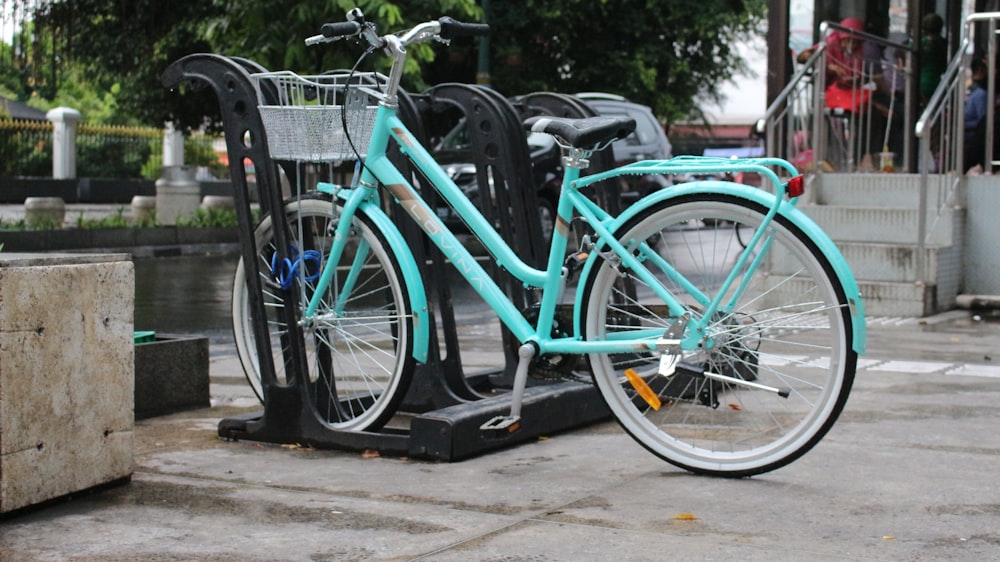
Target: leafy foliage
[[272, 33], [123, 46], [116, 220], [101, 157], [663, 53], [25, 153], [210, 218]]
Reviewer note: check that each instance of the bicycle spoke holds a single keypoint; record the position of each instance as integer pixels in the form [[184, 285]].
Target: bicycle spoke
[[771, 372], [358, 356]]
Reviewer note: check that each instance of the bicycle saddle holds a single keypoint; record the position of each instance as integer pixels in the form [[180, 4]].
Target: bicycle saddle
[[589, 132]]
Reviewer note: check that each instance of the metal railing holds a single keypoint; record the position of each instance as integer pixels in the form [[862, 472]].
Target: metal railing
[[114, 151], [941, 133], [25, 148], [102, 151], [817, 133]]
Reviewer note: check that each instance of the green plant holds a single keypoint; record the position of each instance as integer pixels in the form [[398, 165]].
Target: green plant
[[111, 157], [117, 220], [43, 223], [210, 218], [153, 166], [147, 221], [12, 225], [25, 150]]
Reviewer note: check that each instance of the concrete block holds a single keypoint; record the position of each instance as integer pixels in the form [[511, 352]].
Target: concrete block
[[44, 212], [66, 374], [171, 375]]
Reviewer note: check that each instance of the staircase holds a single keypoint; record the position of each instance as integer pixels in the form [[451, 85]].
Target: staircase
[[873, 218]]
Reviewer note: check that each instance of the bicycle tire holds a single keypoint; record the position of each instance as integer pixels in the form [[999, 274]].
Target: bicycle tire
[[358, 371], [791, 330]]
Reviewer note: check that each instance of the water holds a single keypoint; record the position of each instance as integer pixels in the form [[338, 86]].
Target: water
[[185, 295], [191, 295]]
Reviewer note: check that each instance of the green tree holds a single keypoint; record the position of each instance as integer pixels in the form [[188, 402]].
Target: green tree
[[28, 66], [124, 45], [274, 32], [663, 53]]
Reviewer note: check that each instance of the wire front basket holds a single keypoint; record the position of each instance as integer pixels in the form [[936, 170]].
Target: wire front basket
[[304, 116]]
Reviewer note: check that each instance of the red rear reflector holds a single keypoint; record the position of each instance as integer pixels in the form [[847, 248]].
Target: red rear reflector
[[796, 186]]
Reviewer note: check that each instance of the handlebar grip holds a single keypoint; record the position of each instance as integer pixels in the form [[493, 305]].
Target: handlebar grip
[[340, 29], [451, 28]]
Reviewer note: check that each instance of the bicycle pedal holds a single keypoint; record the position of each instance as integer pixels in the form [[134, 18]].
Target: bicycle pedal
[[500, 427], [574, 263]]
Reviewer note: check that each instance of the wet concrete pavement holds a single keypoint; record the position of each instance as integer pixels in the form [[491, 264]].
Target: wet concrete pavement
[[908, 473]]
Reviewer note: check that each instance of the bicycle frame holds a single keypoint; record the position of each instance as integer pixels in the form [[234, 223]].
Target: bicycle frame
[[717, 318], [550, 281]]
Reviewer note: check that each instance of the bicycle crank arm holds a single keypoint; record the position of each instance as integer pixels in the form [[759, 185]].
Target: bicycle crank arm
[[502, 426], [782, 392]]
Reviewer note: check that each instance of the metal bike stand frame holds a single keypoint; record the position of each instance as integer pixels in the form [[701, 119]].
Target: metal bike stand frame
[[446, 409]]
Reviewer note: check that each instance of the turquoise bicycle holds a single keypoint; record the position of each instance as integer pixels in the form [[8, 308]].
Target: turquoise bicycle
[[721, 326]]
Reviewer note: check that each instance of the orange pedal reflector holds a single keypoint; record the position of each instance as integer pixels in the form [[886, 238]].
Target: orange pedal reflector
[[643, 389]]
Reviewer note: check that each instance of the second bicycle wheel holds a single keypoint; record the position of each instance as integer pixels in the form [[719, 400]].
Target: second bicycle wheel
[[783, 347], [359, 341]]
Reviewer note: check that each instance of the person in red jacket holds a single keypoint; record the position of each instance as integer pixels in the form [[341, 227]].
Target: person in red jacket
[[845, 68]]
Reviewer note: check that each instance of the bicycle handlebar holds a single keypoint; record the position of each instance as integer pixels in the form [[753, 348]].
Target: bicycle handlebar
[[340, 29], [451, 28], [445, 28]]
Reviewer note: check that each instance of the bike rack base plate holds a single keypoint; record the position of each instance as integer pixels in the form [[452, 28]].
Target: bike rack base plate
[[453, 433], [448, 434]]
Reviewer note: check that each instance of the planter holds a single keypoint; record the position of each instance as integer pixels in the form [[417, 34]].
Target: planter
[[66, 374], [113, 238], [171, 375]]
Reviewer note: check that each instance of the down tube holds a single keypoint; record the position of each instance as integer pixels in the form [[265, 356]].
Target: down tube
[[451, 247], [482, 228]]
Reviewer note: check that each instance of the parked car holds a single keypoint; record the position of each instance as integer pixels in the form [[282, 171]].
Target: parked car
[[648, 142]]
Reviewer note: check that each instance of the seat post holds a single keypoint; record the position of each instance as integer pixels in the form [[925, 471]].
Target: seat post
[[574, 157]]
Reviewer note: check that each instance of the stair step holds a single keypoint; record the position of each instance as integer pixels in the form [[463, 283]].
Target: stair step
[[877, 190], [875, 262], [881, 298], [897, 299], [888, 262], [874, 220], [882, 225]]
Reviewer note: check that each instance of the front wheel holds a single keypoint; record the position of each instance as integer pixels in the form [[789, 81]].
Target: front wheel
[[789, 330], [358, 342]]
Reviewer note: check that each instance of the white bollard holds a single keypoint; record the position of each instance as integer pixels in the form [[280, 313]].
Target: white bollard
[[177, 195], [64, 121], [142, 208], [218, 202], [44, 212], [173, 146]]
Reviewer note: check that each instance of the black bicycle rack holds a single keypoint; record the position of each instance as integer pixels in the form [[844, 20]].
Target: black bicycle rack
[[445, 406]]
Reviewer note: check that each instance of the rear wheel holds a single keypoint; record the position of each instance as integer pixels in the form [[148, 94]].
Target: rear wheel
[[359, 341], [789, 331]]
